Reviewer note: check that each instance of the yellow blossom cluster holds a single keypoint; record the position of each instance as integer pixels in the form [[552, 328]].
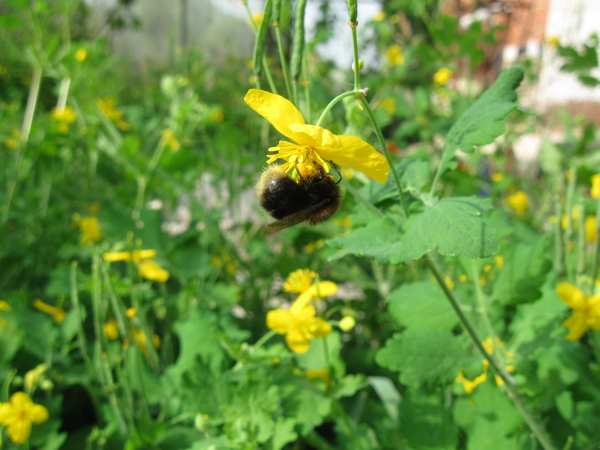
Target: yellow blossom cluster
[[586, 310], [148, 269], [299, 324], [107, 108], [488, 344]]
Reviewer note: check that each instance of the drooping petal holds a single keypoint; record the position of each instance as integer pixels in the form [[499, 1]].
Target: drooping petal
[[280, 321], [318, 327], [19, 431], [296, 340], [577, 325], [280, 112], [571, 295], [360, 155], [152, 271]]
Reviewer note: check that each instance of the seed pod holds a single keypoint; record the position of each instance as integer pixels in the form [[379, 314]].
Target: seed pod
[[298, 44], [261, 37], [352, 10]]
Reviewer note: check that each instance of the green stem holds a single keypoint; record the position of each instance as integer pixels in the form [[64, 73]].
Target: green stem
[[569, 214], [353, 26], [386, 152], [333, 102], [143, 179], [509, 385], [264, 339], [264, 58], [481, 300], [596, 248]]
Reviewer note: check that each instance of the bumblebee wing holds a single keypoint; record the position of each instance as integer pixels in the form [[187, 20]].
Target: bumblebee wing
[[292, 219]]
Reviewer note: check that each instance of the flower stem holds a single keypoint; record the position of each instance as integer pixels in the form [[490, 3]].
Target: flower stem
[[353, 26], [386, 152], [264, 339], [509, 385], [596, 248], [333, 102]]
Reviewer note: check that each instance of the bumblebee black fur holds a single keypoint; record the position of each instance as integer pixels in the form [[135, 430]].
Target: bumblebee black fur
[[314, 199]]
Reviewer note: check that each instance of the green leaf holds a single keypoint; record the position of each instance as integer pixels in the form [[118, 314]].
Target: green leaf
[[484, 121], [455, 226], [425, 356], [524, 272], [421, 305], [380, 240], [428, 426], [388, 394], [565, 405]]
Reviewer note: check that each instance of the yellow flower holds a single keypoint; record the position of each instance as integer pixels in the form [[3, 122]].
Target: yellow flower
[[299, 324], [131, 312], [135, 255], [257, 19], [553, 41], [394, 56], [595, 192], [497, 177], [18, 414], [564, 221], [81, 54], [462, 278], [140, 338], [322, 374], [90, 230], [4, 306], [591, 232], [449, 282], [34, 376], [470, 385], [442, 76], [169, 139], [152, 271], [299, 280], [57, 313], [107, 107], [111, 329], [586, 311], [314, 144], [499, 261], [518, 201], [64, 115], [379, 16]]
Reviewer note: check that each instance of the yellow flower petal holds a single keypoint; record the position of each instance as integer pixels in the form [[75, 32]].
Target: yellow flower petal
[[134, 256], [152, 271], [297, 341], [571, 295], [280, 112], [57, 313], [322, 289], [577, 325], [299, 280], [280, 321], [318, 327], [360, 155], [19, 431]]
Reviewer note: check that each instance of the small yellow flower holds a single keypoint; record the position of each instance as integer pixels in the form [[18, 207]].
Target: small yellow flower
[[107, 107], [564, 221], [34, 376], [595, 191], [591, 232], [18, 414], [394, 56], [347, 323], [553, 41], [470, 385], [442, 76], [111, 329], [379, 16], [152, 271], [497, 177], [140, 338], [314, 144], [462, 277], [449, 282], [257, 19], [499, 261], [135, 255], [90, 230], [57, 313], [131, 312], [299, 280], [322, 374], [169, 139], [586, 310], [64, 115], [4, 306], [81, 54], [518, 202]]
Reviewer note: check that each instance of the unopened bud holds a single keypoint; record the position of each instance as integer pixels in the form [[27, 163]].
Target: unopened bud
[[361, 65]]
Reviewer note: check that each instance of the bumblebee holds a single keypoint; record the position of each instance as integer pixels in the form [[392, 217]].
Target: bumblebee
[[314, 199]]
